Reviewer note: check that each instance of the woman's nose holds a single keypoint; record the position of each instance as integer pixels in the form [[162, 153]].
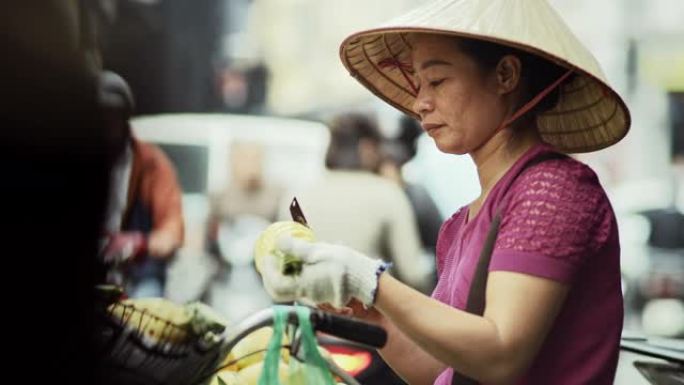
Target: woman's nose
[[423, 104]]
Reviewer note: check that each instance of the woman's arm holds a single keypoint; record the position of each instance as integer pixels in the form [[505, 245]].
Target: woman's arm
[[410, 361], [495, 348], [413, 364]]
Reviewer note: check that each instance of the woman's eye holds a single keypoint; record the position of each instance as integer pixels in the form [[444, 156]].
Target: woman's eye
[[435, 83]]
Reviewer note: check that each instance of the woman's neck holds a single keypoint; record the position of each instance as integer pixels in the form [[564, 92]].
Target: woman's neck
[[496, 156]]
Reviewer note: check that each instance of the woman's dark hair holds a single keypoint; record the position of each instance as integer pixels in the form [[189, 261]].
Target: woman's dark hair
[[346, 131], [537, 73]]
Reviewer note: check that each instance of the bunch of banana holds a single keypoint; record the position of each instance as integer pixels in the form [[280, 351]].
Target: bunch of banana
[[227, 378], [205, 322], [250, 375], [247, 360], [157, 318], [160, 320], [253, 348], [266, 245], [250, 370]]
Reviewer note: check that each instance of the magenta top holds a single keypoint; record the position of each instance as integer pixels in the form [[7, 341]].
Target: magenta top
[[556, 223]]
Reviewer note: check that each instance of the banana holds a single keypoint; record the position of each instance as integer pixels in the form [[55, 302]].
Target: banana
[[160, 320], [250, 375], [157, 318], [257, 341], [229, 364], [227, 378]]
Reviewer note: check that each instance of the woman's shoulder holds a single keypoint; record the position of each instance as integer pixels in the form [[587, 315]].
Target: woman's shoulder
[[557, 208], [561, 186], [559, 177]]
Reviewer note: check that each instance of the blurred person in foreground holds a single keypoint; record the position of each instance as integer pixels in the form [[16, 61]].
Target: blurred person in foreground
[[56, 152], [396, 154], [351, 205], [144, 215], [529, 272]]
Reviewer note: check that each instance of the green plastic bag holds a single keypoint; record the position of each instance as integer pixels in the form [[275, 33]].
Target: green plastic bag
[[312, 371]]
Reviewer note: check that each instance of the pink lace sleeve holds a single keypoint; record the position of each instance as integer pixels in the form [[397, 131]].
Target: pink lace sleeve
[[556, 216]]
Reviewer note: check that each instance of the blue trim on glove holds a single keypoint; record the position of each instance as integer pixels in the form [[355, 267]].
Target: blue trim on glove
[[381, 269]]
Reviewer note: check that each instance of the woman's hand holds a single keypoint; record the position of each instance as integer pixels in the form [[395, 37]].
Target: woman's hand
[[345, 311], [355, 309], [332, 274]]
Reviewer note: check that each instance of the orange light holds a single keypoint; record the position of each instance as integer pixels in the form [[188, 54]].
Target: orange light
[[351, 361]]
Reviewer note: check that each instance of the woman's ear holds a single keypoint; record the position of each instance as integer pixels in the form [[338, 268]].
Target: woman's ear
[[508, 74]]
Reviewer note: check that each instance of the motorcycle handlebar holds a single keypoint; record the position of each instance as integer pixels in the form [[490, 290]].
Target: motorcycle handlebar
[[343, 327]]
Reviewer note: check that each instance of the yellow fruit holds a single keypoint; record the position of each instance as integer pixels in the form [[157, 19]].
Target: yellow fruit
[[228, 378], [266, 245], [228, 364], [203, 319], [250, 375], [157, 318], [256, 341]]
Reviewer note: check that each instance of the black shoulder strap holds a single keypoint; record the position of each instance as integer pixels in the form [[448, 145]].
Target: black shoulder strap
[[478, 287]]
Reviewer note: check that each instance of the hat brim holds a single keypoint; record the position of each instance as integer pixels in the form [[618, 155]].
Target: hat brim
[[589, 115]]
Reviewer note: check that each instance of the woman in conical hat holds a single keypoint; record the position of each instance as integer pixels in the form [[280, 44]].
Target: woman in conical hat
[[529, 274]]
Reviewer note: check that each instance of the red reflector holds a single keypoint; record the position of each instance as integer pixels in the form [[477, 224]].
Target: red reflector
[[351, 360]]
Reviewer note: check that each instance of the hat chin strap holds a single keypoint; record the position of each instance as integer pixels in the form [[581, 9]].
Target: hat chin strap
[[529, 105]]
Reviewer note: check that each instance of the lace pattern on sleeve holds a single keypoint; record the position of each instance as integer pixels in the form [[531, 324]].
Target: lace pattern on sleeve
[[557, 209]]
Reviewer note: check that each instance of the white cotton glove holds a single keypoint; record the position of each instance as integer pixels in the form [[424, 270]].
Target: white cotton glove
[[331, 274]]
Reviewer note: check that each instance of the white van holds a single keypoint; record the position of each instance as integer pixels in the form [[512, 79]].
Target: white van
[[199, 145]]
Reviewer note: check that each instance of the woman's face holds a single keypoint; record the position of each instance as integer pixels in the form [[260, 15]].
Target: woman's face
[[459, 106]]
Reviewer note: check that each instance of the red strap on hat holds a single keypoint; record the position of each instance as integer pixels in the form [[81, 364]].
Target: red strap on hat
[[533, 102], [392, 62]]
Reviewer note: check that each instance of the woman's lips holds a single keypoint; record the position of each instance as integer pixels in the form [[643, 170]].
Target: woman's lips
[[431, 127]]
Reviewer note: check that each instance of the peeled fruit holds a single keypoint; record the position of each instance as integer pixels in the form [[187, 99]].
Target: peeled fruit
[[250, 375], [266, 245], [227, 378], [256, 341]]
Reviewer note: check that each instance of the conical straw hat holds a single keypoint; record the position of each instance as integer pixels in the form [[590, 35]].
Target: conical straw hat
[[589, 115]]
